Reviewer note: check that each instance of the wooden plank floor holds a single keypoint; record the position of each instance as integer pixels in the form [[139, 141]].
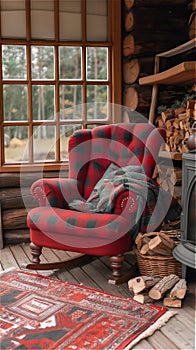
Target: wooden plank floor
[[179, 331]]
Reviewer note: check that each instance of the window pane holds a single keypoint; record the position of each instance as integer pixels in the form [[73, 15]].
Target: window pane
[[16, 141], [70, 20], [13, 19], [42, 62], [42, 19], [70, 62], [70, 102], [96, 20], [14, 62], [97, 63], [15, 102], [66, 131], [44, 142], [43, 102], [97, 102]]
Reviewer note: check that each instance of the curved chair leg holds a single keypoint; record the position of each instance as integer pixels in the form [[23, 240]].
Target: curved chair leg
[[116, 263], [36, 265], [35, 260], [118, 276], [35, 252]]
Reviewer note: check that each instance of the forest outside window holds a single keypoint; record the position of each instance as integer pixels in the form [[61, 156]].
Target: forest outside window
[[53, 81]]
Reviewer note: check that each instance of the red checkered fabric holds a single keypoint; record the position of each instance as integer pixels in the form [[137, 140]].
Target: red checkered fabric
[[55, 225]]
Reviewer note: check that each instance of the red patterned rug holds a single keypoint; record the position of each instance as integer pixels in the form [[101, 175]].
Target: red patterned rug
[[44, 313]]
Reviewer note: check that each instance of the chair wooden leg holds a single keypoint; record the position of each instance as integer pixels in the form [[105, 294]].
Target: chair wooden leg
[[36, 265], [116, 263], [35, 252], [118, 276]]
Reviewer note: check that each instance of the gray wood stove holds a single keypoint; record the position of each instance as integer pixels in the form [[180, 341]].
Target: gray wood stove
[[185, 251]]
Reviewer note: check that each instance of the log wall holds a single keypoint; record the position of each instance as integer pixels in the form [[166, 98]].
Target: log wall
[[15, 201], [151, 27]]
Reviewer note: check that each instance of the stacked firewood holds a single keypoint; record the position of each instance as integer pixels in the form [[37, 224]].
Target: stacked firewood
[[155, 243], [177, 124], [168, 177], [147, 289]]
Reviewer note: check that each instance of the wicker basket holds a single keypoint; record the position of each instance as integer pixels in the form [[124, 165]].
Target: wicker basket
[[157, 265]]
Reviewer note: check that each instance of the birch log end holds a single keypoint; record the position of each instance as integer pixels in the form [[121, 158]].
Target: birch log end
[[131, 98], [131, 71]]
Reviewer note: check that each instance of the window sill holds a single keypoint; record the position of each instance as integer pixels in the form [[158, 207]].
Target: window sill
[[15, 168]]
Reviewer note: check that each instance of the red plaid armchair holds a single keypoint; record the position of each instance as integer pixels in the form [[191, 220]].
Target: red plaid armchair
[[107, 199]]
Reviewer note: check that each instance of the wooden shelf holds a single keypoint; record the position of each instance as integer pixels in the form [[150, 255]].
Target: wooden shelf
[[183, 73]]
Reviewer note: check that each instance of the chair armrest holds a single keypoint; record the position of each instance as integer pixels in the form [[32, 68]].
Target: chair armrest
[[126, 200], [55, 192]]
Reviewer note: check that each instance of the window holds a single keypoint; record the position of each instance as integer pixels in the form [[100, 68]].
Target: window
[[57, 75]]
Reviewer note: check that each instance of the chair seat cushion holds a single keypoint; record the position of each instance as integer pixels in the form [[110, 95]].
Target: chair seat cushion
[[86, 245], [81, 224], [91, 233]]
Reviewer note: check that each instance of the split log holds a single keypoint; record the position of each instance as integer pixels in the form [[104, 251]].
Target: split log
[[131, 71], [128, 45], [145, 249], [177, 123], [157, 243], [141, 283], [143, 298], [168, 177], [131, 98], [145, 243], [160, 245], [168, 302], [166, 283], [129, 3], [138, 43], [129, 21], [175, 21], [179, 290]]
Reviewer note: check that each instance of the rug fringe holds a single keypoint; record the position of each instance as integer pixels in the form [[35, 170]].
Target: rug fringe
[[7, 270], [155, 326]]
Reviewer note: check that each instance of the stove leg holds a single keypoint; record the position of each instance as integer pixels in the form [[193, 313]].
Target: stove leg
[[184, 270]]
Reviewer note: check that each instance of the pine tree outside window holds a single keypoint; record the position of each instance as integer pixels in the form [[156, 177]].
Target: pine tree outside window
[[56, 75]]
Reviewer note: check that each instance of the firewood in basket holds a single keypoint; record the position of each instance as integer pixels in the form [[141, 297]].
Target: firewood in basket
[[161, 246], [140, 240], [165, 284], [179, 290], [144, 249], [141, 283]]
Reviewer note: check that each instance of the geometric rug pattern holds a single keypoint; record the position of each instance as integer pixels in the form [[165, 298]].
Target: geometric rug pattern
[[39, 312]]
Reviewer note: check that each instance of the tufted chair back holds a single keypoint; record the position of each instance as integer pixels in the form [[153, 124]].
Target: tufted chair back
[[91, 151]]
